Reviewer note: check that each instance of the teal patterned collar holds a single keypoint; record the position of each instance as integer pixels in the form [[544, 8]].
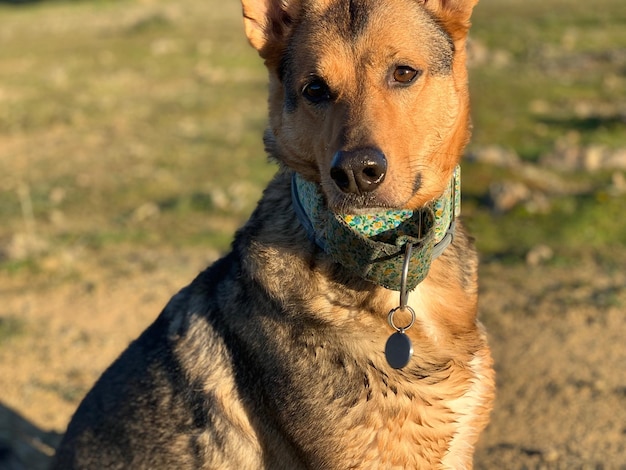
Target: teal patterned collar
[[372, 245]]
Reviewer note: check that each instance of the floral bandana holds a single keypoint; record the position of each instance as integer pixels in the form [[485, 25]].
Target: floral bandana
[[372, 245]]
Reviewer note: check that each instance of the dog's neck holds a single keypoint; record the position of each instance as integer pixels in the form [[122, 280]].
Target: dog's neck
[[372, 245]]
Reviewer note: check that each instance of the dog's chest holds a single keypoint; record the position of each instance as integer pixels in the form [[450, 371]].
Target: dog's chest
[[396, 432], [369, 416]]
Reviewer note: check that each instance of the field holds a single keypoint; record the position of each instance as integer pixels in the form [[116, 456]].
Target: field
[[130, 151]]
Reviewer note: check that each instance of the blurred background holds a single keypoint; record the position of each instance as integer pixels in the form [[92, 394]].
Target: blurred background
[[130, 152]]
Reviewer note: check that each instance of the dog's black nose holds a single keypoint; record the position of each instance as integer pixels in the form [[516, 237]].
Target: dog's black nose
[[358, 171]]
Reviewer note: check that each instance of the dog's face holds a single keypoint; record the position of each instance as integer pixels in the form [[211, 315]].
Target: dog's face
[[367, 97]]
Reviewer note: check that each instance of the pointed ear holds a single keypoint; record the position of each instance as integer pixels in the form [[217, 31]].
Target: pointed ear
[[267, 23], [454, 15]]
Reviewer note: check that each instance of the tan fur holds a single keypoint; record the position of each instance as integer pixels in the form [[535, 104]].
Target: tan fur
[[274, 356]]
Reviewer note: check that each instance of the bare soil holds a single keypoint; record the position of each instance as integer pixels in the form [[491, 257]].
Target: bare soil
[[557, 334]]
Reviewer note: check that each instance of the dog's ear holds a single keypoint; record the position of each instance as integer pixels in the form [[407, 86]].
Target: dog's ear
[[454, 15], [267, 23]]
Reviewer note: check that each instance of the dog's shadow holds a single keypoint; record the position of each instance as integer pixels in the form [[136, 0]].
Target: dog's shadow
[[24, 446]]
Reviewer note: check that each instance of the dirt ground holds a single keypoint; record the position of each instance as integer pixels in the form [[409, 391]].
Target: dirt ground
[[557, 334]]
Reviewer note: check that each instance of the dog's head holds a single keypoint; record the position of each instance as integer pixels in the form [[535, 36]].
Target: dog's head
[[367, 97]]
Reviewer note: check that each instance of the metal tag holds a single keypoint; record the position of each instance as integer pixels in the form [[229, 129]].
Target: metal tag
[[398, 350]]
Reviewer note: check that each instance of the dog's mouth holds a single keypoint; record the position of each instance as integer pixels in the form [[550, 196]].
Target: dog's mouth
[[389, 197], [358, 213], [355, 203]]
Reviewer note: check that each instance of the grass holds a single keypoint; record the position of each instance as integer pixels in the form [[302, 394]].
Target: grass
[[140, 123], [562, 72], [10, 326], [115, 106], [559, 54]]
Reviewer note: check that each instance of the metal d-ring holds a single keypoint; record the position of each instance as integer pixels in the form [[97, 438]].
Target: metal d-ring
[[392, 323]]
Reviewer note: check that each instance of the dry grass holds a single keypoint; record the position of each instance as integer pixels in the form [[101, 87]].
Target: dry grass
[[130, 151]]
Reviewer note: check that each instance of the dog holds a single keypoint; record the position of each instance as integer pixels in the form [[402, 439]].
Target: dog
[[341, 329]]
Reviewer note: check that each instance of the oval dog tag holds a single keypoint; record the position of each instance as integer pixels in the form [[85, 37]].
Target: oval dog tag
[[398, 350]]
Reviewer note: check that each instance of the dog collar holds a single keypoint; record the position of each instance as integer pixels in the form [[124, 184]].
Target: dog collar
[[372, 245]]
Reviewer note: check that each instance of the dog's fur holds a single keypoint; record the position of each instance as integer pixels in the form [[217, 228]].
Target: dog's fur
[[273, 357]]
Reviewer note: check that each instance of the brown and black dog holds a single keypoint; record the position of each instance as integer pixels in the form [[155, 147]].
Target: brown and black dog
[[286, 353]]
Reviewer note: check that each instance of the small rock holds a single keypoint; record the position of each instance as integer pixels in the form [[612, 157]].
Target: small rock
[[547, 181], [505, 195], [26, 245], [539, 203], [146, 211], [539, 254], [164, 46], [220, 199], [593, 157], [57, 218], [563, 157], [496, 155], [477, 53], [550, 455], [539, 107], [57, 195], [500, 58], [616, 159], [590, 158]]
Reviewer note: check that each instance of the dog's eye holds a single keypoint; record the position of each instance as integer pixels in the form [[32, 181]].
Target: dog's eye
[[316, 91], [404, 74]]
